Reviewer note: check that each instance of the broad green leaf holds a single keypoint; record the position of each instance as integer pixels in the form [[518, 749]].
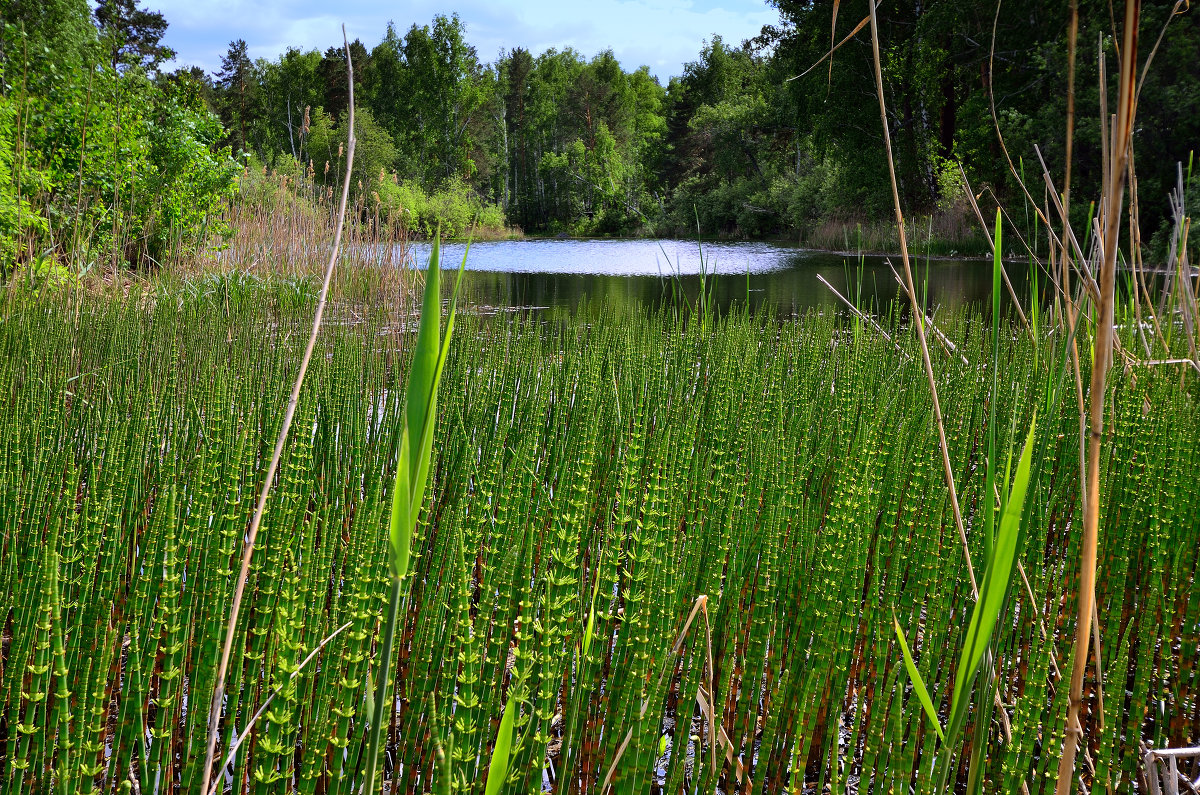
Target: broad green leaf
[[401, 528], [918, 682], [587, 634], [421, 384], [994, 589], [498, 769], [424, 455], [989, 514]]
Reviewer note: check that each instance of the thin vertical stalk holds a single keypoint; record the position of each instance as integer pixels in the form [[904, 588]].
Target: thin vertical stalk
[[1102, 360], [1072, 39], [214, 716], [918, 314]]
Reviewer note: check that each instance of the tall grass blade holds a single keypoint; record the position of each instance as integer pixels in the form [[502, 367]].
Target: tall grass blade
[[918, 683], [498, 767], [996, 580]]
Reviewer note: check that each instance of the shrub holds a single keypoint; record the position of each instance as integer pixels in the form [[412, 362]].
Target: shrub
[[453, 208]]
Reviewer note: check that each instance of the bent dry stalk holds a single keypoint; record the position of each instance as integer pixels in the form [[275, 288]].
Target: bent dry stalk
[[985, 615], [214, 717]]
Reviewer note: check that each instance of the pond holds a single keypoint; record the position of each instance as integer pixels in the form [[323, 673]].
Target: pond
[[569, 273]]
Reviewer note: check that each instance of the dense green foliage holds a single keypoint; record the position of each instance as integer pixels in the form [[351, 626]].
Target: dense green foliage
[[103, 161], [561, 142], [592, 478], [746, 141]]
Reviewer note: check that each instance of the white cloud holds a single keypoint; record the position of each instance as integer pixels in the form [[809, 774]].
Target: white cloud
[[662, 34]]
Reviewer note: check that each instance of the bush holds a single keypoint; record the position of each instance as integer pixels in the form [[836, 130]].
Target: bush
[[17, 217], [116, 164], [453, 208]]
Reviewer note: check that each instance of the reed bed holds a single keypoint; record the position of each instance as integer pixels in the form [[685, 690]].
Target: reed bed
[[677, 550], [274, 235]]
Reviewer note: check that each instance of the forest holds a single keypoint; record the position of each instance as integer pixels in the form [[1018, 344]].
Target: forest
[[754, 139]]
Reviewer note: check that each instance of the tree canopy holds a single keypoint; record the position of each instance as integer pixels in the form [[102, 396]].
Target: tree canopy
[[765, 137]]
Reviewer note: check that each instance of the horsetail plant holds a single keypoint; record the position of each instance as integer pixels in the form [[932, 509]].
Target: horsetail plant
[[993, 593], [787, 469], [214, 716]]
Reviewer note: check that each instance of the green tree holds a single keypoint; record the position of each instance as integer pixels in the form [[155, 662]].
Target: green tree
[[17, 216], [374, 154], [133, 35], [237, 86], [332, 74], [44, 41], [443, 92], [291, 87]]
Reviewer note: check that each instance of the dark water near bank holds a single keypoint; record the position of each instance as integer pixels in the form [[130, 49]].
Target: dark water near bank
[[568, 274]]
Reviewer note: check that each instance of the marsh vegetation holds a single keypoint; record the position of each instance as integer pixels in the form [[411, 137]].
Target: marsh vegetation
[[247, 545]]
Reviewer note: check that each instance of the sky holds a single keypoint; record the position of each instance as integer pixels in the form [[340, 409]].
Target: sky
[[661, 34]]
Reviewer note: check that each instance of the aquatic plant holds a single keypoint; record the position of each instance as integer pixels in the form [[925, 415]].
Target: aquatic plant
[[591, 478]]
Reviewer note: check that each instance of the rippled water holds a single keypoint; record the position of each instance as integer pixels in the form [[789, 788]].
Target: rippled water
[[571, 273]]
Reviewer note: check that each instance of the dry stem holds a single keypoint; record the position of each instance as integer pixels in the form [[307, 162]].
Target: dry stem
[[918, 315], [214, 716], [1102, 359]]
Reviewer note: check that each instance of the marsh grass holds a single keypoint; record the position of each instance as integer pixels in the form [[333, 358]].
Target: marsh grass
[[948, 232], [787, 471]]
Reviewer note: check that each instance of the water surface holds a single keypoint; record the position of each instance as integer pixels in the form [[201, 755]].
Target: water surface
[[571, 273]]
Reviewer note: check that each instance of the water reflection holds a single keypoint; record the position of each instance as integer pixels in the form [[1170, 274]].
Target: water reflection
[[569, 274]]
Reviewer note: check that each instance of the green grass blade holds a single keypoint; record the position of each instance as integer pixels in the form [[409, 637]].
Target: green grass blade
[[498, 768], [918, 683], [401, 524], [994, 589], [421, 379]]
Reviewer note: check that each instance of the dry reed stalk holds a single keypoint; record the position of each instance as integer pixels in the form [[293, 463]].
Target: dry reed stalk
[[948, 346], [919, 315], [863, 317], [1012, 294], [277, 217], [214, 717], [1072, 39], [1120, 144], [244, 734]]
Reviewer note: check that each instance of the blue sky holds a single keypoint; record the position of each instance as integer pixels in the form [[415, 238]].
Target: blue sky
[[661, 34]]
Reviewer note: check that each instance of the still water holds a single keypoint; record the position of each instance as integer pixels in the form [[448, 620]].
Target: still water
[[568, 274]]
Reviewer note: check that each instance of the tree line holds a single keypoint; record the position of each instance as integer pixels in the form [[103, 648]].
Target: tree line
[[769, 137]]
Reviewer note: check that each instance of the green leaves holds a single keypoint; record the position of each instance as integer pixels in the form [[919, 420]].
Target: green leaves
[[420, 413], [918, 682], [993, 593], [994, 589], [412, 472], [400, 526], [498, 768]]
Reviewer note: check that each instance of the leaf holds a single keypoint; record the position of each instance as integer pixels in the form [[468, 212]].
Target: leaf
[[989, 514], [918, 682], [421, 379], [498, 768], [400, 529], [994, 589], [424, 455], [587, 634]]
